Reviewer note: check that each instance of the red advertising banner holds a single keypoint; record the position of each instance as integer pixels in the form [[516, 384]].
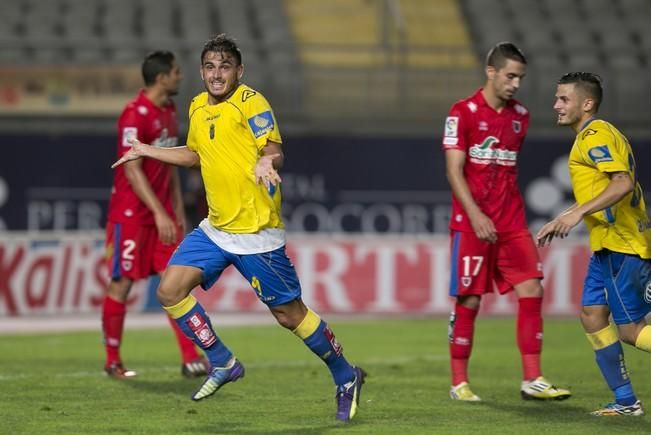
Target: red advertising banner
[[63, 273], [55, 273]]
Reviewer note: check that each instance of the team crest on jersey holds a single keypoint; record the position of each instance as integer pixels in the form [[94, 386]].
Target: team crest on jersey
[[261, 123], [600, 154], [517, 126], [247, 94], [126, 265], [211, 131], [466, 281]]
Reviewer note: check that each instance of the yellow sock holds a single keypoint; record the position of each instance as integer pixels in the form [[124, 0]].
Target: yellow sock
[[643, 340], [182, 308], [308, 325], [604, 337]]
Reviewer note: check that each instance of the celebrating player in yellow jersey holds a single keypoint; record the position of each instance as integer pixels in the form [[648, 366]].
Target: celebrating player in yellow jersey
[[609, 199], [234, 138]]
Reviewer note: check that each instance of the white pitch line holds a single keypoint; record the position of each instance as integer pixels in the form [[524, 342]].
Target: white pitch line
[[264, 365]]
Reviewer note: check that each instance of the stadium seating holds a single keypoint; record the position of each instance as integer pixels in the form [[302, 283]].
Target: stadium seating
[[609, 37], [388, 65], [354, 62]]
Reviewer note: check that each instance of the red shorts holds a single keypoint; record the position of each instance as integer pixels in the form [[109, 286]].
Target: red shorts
[[134, 251], [476, 265]]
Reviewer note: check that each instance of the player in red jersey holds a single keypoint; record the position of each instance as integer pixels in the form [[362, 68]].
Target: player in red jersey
[[146, 219], [490, 242]]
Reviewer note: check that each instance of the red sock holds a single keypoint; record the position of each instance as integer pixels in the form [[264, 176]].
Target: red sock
[[188, 350], [461, 336], [113, 313], [530, 334]]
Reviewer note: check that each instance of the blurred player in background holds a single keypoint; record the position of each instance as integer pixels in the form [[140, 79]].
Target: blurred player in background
[[146, 219], [610, 201], [235, 139], [490, 242]]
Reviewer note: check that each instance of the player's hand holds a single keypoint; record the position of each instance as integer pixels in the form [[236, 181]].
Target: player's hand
[[166, 227], [545, 235], [484, 227], [138, 150], [559, 227], [265, 172]]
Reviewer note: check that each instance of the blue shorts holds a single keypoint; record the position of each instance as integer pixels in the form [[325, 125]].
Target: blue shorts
[[620, 281], [271, 274]]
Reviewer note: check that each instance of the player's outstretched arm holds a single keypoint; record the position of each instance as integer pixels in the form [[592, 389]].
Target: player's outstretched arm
[[619, 186], [179, 156]]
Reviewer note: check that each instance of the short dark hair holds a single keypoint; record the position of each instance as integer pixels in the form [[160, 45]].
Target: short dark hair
[[156, 62], [586, 82], [224, 45], [498, 55]]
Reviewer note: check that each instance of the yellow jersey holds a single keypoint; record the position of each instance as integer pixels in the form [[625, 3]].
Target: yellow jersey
[[229, 138], [600, 149]]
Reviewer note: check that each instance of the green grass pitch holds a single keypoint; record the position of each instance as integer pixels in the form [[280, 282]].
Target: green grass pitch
[[53, 384]]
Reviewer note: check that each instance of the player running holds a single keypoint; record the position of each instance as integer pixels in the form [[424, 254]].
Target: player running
[[234, 137]]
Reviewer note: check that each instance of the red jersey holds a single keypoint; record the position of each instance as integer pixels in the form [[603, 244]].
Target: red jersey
[[491, 141], [153, 125]]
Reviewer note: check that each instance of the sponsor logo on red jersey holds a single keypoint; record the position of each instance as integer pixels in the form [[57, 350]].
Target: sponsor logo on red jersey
[[484, 153]]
